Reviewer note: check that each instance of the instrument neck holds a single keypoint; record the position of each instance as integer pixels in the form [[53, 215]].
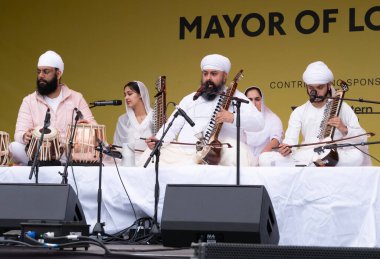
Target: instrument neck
[[159, 110]]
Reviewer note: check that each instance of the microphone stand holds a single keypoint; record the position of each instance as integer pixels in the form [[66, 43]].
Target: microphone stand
[[36, 161], [99, 226], [69, 156], [156, 152], [237, 103]]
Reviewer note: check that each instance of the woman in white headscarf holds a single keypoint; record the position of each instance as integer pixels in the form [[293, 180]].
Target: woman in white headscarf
[[271, 135], [137, 122]]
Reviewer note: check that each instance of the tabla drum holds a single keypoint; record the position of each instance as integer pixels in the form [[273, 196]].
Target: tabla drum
[[86, 139], [4, 148], [50, 148]]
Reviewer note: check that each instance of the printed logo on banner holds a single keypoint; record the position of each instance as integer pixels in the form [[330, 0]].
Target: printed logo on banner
[[256, 24], [355, 82]]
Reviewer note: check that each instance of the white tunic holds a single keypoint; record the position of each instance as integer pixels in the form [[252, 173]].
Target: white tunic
[[201, 111], [131, 133], [272, 130], [306, 120]]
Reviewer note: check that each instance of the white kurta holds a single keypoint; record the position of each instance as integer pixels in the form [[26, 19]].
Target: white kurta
[[257, 141], [126, 133], [201, 111], [306, 120]]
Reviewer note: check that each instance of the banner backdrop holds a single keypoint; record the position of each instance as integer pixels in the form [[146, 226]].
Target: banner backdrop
[[105, 44]]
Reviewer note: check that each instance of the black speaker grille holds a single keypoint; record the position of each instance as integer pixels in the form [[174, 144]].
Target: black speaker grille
[[236, 251], [221, 213]]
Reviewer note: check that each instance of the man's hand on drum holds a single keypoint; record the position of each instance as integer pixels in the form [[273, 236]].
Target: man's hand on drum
[[284, 149], [151, 142], [27, 136]]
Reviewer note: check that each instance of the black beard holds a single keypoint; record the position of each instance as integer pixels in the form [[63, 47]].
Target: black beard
[[321, 99], [213, 92], [45, 88]]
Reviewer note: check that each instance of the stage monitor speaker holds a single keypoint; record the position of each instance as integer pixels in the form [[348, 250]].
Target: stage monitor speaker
[[217, 213], [38, 202], [237, 251]]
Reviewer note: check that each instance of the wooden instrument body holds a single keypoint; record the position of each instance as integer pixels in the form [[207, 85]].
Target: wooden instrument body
[[330, 157], [326, 157], [209, 147]]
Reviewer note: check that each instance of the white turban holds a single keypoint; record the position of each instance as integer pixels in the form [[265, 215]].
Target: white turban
[[217, 62], [317, 73], [51, 59]]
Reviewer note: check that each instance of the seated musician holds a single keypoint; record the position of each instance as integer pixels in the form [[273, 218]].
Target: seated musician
[[271, 135], [215, 69], [137, 122], [311, 118], [52, 94]]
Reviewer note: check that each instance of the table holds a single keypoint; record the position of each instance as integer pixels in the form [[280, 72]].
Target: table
[[314, 206]]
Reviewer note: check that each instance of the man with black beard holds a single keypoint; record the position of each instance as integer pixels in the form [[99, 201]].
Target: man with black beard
[[50, 94], [215, 69]]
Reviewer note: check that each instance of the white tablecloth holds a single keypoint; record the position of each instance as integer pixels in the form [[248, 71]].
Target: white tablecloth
[[313, 206]]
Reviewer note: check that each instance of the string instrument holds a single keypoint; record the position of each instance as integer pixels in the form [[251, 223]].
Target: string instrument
[[159, 110], [368, 134], [326, 132], [209, 147]]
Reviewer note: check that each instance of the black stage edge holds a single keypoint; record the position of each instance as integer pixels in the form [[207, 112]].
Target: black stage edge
[[202, 251], [236, 251], [117, 251]]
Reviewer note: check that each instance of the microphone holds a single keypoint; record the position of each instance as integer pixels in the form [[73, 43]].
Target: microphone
[[104, 103], [203, 88], [115, 146], [107, 150], [313, 95], [199, 92], [184, 115], [320, 149], [115, 154], [47, 118], [79, 114], [45, 128]]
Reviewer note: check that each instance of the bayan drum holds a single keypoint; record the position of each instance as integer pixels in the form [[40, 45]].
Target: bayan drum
[[4, 151], [50, 148], [85, 140]]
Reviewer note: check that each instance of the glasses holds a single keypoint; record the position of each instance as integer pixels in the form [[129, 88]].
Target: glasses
[[44, 71]]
